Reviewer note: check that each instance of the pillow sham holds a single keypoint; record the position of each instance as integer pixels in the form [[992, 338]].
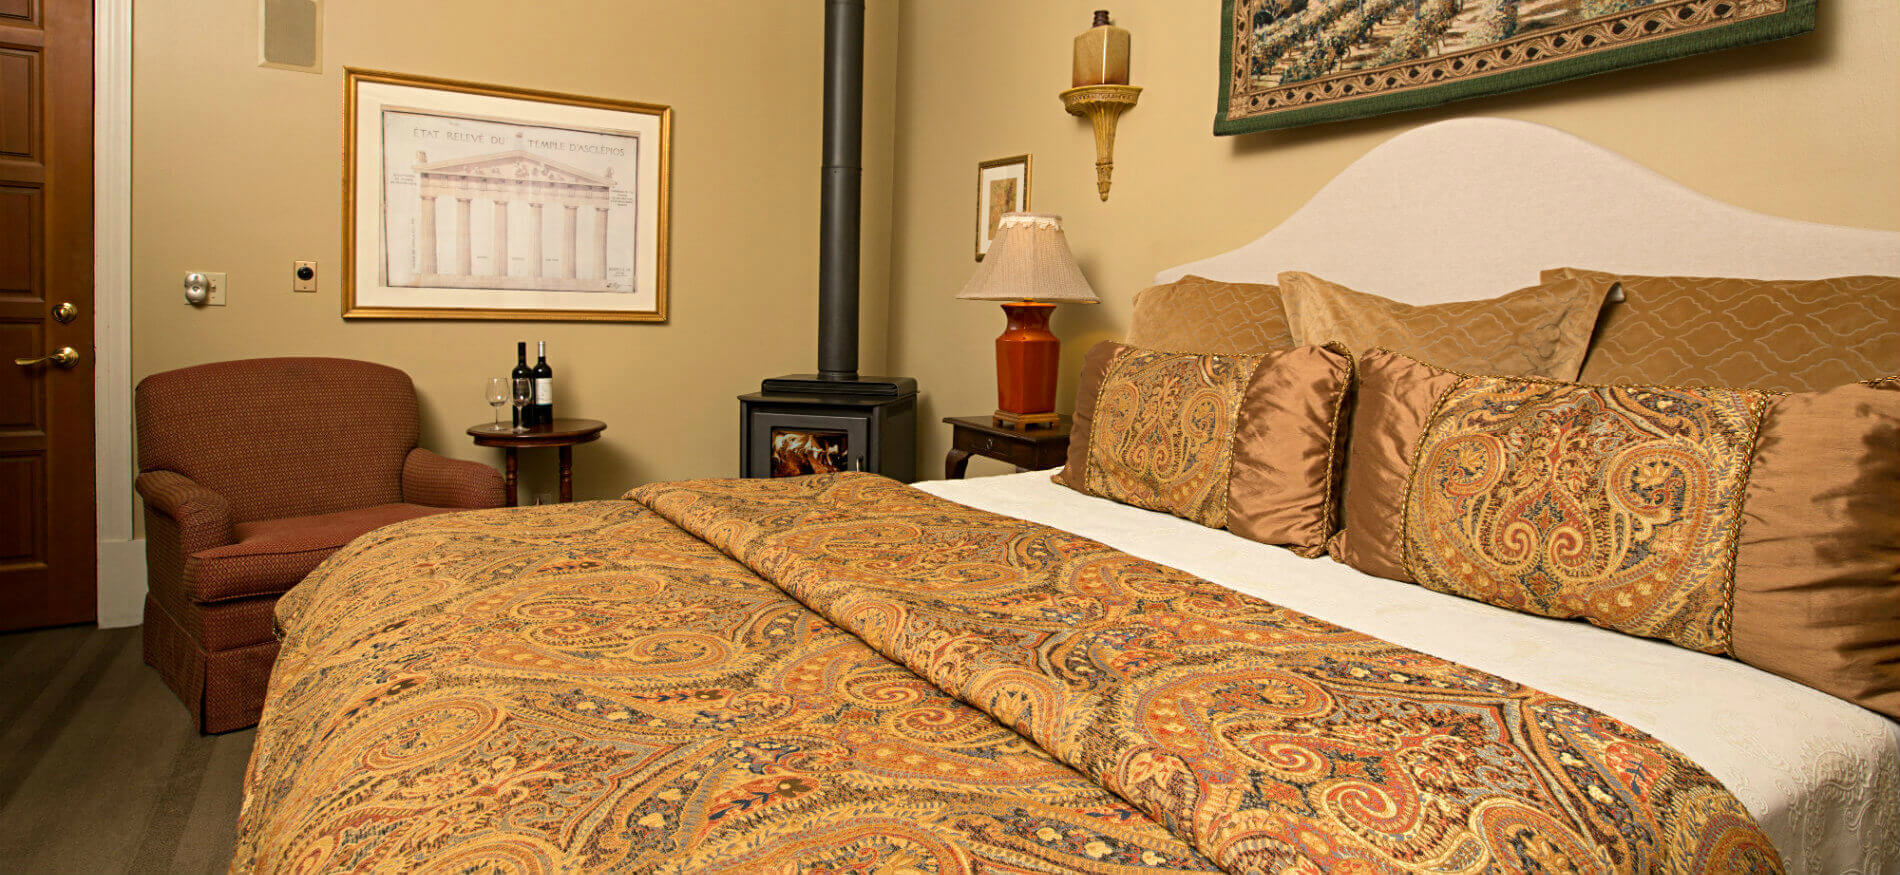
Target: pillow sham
[[1246, 443], [1539, 331], [1732, 521], [1786, 335], [1199, 315]]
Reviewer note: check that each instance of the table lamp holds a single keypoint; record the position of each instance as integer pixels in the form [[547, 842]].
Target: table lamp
[[1030, 269]]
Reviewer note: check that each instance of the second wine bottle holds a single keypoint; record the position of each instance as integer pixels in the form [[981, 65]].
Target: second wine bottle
[[524, 416], [543, 387]]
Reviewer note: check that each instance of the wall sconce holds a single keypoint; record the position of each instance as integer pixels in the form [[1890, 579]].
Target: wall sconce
[[1101, 91]]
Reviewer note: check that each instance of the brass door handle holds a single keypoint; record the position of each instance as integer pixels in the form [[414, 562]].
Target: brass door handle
[[65, 357]]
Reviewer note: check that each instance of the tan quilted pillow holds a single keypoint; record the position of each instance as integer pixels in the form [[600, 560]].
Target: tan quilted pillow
[[1207, 317], [1540, 331], [1787, 335]]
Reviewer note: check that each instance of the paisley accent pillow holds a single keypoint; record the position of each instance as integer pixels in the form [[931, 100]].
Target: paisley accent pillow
[[1617, 505], [1246, 443], [1743, 522], [1161, 431]]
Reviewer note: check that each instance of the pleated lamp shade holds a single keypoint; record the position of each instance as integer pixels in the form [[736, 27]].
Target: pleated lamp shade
[[1029, 260]]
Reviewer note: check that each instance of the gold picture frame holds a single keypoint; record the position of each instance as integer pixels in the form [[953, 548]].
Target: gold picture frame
[[516, 153], [1000, 187]]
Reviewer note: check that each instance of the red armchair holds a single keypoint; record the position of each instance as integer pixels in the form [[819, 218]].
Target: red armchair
[[253, 472]]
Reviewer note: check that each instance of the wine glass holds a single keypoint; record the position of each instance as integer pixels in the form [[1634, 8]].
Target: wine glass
[[524, 393], [497, 396]]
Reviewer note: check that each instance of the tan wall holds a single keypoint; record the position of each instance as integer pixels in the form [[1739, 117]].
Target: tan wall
[[237, 169], [1807, 128]]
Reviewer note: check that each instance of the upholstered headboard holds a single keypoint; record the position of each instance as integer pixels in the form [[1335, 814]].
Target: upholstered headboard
[[1472, 208]]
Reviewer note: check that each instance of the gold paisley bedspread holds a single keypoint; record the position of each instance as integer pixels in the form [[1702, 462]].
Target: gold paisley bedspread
[[823, 674]]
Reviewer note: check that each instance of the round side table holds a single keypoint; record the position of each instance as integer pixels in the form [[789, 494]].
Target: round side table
[[562, 433]]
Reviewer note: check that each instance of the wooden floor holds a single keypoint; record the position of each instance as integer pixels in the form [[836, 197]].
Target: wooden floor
[[100, 768]]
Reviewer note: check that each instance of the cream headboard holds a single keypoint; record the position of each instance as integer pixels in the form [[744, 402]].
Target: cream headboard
[[1474, 208]]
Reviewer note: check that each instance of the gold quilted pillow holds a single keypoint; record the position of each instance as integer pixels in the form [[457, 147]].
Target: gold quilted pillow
[[1540, 331], [1786, 335], [1743, 522], [1199, 315]]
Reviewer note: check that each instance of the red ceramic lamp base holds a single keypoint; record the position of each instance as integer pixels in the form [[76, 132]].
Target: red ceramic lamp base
[[1028, 359]]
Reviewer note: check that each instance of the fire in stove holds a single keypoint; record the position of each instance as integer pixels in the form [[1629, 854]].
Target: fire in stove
[[797, 453]]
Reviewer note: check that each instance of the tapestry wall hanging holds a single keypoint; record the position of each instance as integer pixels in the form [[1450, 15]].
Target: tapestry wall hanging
[[1286, 63]]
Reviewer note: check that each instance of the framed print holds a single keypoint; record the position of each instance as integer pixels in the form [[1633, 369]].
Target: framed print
[[1287, 63], [468, 201], [1002, 186]]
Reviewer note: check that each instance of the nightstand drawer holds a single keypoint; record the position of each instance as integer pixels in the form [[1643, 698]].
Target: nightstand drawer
[[1032, 449]]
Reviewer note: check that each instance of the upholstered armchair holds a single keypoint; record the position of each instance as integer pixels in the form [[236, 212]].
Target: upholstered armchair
[[253, 472]]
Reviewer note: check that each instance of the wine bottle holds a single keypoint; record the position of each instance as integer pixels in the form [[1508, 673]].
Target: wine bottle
[[523, 415], [543, 406]]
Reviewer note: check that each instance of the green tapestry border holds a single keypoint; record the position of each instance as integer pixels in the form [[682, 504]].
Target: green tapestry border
[[1799, 18]]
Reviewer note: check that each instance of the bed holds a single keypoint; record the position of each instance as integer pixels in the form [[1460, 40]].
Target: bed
[[843, 674]]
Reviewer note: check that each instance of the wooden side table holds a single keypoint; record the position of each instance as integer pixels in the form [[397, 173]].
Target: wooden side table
[[562, 433], [1029, 450]]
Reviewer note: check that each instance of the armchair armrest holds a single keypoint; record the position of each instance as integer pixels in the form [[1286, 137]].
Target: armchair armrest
[[203, 517], [435, 481]]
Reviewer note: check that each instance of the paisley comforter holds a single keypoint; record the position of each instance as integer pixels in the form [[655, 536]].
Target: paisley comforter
[[844, 674]]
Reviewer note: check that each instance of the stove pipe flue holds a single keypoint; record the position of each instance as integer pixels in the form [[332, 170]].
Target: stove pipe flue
[[840, 203]]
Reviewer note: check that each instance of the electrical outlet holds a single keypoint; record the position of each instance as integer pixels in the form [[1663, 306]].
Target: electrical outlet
[[204, 288], [303, 276], [218, 283]]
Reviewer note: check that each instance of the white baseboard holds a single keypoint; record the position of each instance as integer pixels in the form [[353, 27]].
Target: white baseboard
[[121, 583]]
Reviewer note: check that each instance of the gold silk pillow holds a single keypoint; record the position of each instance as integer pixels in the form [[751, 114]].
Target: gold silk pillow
[[1785, 335], [1732, 521], [1247, 443], [1199, 315], [1540, 331]]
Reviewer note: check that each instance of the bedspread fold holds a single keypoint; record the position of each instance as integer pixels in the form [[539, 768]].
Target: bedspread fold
[[1269, 740]]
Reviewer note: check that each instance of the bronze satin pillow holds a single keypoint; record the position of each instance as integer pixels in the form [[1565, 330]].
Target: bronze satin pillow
[[1785, 335], [1245, 443], [1540, 331], [1199, 315], [1735, 521]]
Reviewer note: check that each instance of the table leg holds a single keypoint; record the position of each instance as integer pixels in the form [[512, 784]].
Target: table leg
[[954, 464], [509, 476], [567, 474]]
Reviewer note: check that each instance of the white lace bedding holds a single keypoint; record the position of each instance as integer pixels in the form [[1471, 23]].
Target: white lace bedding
[[1821, 776]]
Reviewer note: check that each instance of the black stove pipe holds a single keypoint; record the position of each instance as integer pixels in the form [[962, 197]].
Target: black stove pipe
[[840, 202]]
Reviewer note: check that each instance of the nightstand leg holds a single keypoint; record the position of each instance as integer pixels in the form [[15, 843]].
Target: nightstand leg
[[509, 476], [955, 464], [567, 474]]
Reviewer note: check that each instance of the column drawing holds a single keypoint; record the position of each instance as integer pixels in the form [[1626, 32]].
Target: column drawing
[[500, 256], [534, 240], [504, 179], [570, 241], [425, 236], [464, 254], [600, 243]]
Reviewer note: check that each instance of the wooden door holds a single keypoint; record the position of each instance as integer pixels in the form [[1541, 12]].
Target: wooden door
[[47, 558]]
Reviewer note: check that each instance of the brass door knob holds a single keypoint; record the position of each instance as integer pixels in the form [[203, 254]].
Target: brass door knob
[[65, 357], [65, 313]]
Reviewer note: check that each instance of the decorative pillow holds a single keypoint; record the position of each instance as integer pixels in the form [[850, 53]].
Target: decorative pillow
[[1239, 442], [1734, 521], [1540, 331], [1199, 315], [1785, 335]]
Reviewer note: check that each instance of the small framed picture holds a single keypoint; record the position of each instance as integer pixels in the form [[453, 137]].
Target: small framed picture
[[1002, 186]]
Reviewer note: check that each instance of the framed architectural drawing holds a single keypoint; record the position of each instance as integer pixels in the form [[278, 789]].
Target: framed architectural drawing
[[467, 201], [1002, 186], [1286, 63]]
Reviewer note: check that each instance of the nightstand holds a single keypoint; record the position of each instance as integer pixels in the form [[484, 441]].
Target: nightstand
[[1029, 450]]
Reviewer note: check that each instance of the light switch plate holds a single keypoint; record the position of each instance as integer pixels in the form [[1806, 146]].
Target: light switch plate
[[214, 296], [297, 281]]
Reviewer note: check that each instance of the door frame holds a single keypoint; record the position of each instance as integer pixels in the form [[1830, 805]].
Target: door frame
[[121, 574]]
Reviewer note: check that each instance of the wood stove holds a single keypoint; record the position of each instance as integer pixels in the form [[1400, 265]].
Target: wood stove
[[835, 420]]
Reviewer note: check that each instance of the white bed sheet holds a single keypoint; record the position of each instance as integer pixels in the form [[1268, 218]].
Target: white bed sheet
[[1820, 775]]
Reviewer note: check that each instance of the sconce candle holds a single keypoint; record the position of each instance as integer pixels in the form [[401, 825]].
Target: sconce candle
[[1101, 54]]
